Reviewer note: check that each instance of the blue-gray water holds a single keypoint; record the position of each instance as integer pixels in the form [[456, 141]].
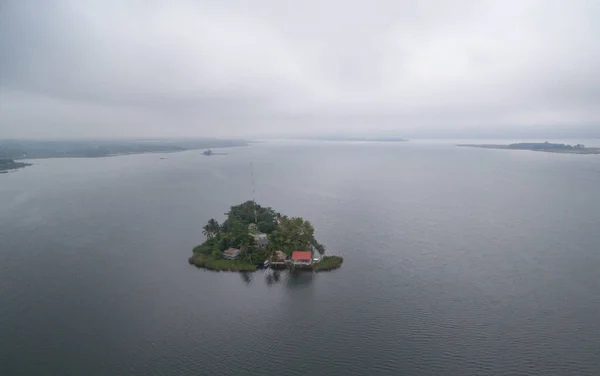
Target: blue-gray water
[[457, 262]]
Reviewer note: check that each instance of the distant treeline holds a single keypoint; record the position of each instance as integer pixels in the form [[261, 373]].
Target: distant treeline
[[357, 139], [544, 146], [23, 149]]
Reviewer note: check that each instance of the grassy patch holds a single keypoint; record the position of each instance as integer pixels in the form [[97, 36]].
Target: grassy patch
[[207, 262], [329, 263], [207, 248]]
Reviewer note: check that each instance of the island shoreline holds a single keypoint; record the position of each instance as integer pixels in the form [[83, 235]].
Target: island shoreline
[[254, 237]]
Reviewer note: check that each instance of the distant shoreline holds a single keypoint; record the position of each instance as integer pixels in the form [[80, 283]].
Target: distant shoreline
[[7, 165], [539, 147], [358, 139], [14, 149]]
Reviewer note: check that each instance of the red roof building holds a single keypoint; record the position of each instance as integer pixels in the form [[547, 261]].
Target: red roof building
[[302, 256]]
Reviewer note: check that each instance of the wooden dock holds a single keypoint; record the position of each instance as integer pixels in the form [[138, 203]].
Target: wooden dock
[[278, 265], [290, 264]]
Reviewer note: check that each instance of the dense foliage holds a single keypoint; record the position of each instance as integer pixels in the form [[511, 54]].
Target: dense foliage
[[295, 234], [248, 213], [285, 234]]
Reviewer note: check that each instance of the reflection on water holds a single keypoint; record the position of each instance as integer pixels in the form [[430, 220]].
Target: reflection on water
[[273, 276], [299, 278], [246, 277], [290, 278]]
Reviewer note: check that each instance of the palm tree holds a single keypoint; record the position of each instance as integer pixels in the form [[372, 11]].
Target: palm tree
[[213, 226], [206, 231], [211, 229]]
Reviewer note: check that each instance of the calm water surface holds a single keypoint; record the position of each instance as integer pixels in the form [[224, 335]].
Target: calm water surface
[[457, 262]]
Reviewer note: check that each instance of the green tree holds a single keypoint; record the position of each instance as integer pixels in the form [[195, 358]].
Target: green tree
[[244, 241], [211, 229], [225, 241], [296, 233], [250, 212], [206, 231], [213, 226]]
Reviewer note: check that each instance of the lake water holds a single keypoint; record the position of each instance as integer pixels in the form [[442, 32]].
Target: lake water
[[457, 262]]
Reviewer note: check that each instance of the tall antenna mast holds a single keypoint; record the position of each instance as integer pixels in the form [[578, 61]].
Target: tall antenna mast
[[253, 193]]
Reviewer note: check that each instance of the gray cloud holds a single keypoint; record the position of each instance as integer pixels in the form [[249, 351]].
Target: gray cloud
[[199, 68]]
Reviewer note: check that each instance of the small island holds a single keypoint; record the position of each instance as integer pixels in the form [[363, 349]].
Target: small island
[[254, 237], [541, 146], [7, 164], [209, 152]]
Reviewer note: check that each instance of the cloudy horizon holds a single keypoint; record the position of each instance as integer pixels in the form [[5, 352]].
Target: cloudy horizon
[[251, 69]]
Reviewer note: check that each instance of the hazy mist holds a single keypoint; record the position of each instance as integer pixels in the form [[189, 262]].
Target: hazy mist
[[114, 68]]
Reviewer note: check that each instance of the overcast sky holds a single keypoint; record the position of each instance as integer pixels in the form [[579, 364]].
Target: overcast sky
[[120, 68]]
